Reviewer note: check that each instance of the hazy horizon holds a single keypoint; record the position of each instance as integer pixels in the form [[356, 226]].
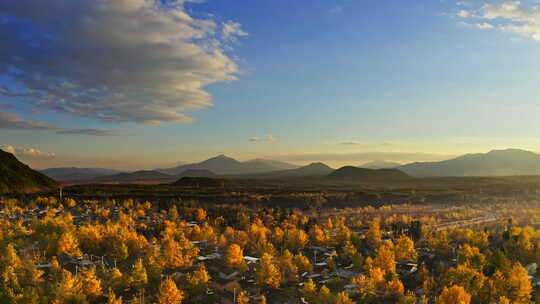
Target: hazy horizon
[[335, 160]]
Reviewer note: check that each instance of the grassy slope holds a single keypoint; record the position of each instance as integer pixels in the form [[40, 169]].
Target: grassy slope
[[18, 177]]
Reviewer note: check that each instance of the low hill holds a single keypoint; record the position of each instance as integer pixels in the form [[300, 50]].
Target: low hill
[[494, 163], [224, 165], [197, 182], [77, 174], [137, 176], [16, 177], [197, 173], [350, 173], [311, 170]]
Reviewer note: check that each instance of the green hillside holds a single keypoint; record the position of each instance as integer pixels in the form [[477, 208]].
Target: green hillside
[[16, 177]]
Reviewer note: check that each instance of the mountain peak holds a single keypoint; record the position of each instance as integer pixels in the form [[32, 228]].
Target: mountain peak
[[221, 156], [317, 165]]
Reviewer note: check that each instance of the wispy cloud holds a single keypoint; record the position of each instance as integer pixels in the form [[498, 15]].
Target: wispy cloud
[[96, 132], [509, 15], [232, 30], [484, 25], [366, 144], [143, 61], [15, 122], [27, 152], [464, 14], [268, 138], [352, 143]]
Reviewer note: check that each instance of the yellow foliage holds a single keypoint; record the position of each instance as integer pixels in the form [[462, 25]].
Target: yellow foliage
[[139, 276], [405, 251], [68, 244], [343, 298], [518, 285], [179, 253], [303, 263], [471, 257], [296, 239], [288, 267], [200, 214], [268, 273], [469, 278], [169, 293], [242, 297], [374, 233], [454, 295], [112, 299], [385, 258], [199, 276], [91, 284], [234, 256]]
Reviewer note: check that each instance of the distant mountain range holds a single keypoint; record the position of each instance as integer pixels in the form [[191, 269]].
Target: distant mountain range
[[137, 176], [18, 177], [77, 174], [351, 173], [493, 163], [223, 165]]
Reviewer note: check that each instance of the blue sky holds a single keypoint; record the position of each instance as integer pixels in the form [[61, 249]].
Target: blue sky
[[344, 81]]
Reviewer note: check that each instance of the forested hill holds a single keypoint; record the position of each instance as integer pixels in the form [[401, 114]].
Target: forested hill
[[16, 177]]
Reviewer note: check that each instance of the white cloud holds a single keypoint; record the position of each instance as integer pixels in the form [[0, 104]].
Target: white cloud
[[31, 153], [464, 14], [144, 61], [268, 138], [232, 30], [511, 16], [484, 26]]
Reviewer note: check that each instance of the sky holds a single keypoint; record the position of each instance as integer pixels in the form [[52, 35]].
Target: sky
[[142, 84]]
